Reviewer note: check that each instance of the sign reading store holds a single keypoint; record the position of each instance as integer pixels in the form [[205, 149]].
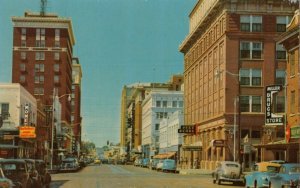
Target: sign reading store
[[271, 117]]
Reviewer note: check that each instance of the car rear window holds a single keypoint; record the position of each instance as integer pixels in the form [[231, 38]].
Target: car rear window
[[272, 169], [9, 167], [295, 169]]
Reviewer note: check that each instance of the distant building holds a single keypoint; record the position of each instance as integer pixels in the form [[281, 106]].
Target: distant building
[[157, 105], [230, 56]]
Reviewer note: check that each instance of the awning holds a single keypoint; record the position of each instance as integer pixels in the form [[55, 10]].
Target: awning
[[278, 145], [165, 155]]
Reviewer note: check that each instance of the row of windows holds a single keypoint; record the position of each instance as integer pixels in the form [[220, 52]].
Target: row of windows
[[39, 67], [254, 23], [40, 79], [39, 43], [164, 104], [40, 55]]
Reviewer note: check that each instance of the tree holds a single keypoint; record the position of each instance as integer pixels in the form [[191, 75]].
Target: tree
[[87, 147]]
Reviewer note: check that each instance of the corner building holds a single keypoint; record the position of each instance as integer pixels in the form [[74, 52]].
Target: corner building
[[230, 56]]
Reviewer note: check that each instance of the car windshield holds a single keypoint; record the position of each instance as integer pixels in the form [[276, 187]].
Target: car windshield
[[232, 165], [272, 169], [295, 169]]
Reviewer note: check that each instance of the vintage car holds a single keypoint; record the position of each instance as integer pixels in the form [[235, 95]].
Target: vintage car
[[97, 161], [153, 163], [288, 176], [146, 162], [5, 182], [17, 171], [227, 171], [169, 165], [43, 172], [260, 176], [69, 165], [160, 164], [138, 162]]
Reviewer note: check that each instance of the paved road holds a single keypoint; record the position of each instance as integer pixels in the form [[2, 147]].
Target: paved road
[[127, 176]]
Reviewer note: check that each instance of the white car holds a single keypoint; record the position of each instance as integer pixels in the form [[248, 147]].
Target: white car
[[160, 164], [227, 171]]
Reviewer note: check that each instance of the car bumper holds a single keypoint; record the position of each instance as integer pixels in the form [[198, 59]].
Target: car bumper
[[231, 179]]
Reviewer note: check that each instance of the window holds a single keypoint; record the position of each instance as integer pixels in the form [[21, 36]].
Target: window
[[39, 55], [292, 102], [280, 52], [40, 37], [174, 104], [22, 79], [39, 67], [158, 104], [23, 43], [56, 79], [56, 67], [281, 22], [292, 63], [23, 30], [251, 23], [56, 44], [280, 104], [22, 67], [4, 110], [250, 103], [56, 56], [39, 79], [57, 33], [23, 55], [251, 50], [255, 134], [38, 91], [156, 127], [280, 77], [250, 77], [180, 104], [165, 104]]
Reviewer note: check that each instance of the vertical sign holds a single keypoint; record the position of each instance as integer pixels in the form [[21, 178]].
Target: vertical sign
[[271, 118], [26, 114]]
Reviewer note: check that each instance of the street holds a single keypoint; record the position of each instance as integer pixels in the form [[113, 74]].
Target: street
[[106, 176]]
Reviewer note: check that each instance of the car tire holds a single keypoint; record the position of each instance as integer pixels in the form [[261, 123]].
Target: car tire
[[219, 181], [255, 184], [214, 181]]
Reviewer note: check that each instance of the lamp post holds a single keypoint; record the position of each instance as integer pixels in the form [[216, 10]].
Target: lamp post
[[53, 120]]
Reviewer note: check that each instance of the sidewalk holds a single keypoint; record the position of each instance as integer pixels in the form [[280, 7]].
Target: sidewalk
[[195, 171]]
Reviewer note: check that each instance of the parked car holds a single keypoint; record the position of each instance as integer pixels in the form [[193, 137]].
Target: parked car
[[69, 165], [261, 174], [138, 162], [277, 161], [169, 165], [5, 182], [17, 171], [43, 172], [160, 164], [288, 176], [228, 171], [145, 162], [97, 161], [154, 163]]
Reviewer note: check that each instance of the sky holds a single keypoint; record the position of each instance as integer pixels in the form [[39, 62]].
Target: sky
[[118, 42]]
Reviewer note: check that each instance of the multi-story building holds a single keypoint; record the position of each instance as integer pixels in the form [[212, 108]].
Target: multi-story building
[[131, 112], [290, 40], [170, 140], [18, 108], [76, 118], [230, 56], [157, 105], [42, 59]]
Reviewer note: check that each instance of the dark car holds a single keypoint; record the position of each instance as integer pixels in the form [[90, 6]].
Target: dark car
[[17, 170], [69, 165], [43, 172]]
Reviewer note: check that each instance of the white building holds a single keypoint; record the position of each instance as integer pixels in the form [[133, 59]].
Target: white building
[[169, 138], [14, 101], [157, 105]]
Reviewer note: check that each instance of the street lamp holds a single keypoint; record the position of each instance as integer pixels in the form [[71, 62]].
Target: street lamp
[[53, 120]]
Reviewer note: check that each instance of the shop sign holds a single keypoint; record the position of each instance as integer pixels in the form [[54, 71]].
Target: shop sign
[[26, 114], [247, 148], [187, 129], [217, 143], [295, 132], [271, 118], [27, 132]]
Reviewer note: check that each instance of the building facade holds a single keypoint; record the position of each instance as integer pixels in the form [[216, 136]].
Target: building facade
[[156, 106], [42, 61], [290, 40], [18, 108], [230, 56]]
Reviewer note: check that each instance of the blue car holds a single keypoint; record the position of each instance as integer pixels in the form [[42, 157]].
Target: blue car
[[169, 165], [288, 176], [260, 177], [146, 162]]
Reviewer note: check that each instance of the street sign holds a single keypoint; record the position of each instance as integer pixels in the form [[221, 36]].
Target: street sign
[[27, 132], [272, 118], [247, 148], [187, 129]]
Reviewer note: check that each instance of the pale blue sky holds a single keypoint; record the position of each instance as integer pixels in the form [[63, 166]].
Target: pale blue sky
[[118, 42]]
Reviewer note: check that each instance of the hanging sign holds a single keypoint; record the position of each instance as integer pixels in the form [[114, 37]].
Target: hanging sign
[[27, 132], [26, 114], [272, 118]]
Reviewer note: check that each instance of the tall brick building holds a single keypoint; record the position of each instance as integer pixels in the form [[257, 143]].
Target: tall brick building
[[42, 60], [230, 56]]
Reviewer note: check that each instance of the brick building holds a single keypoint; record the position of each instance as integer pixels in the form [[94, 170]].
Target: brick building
[[230, 56]]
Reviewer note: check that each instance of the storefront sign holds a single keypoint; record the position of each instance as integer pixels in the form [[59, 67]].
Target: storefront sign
[[26, 114], [217, 143], [271, 118], [27, 132], [295, 132], [187, 129]]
